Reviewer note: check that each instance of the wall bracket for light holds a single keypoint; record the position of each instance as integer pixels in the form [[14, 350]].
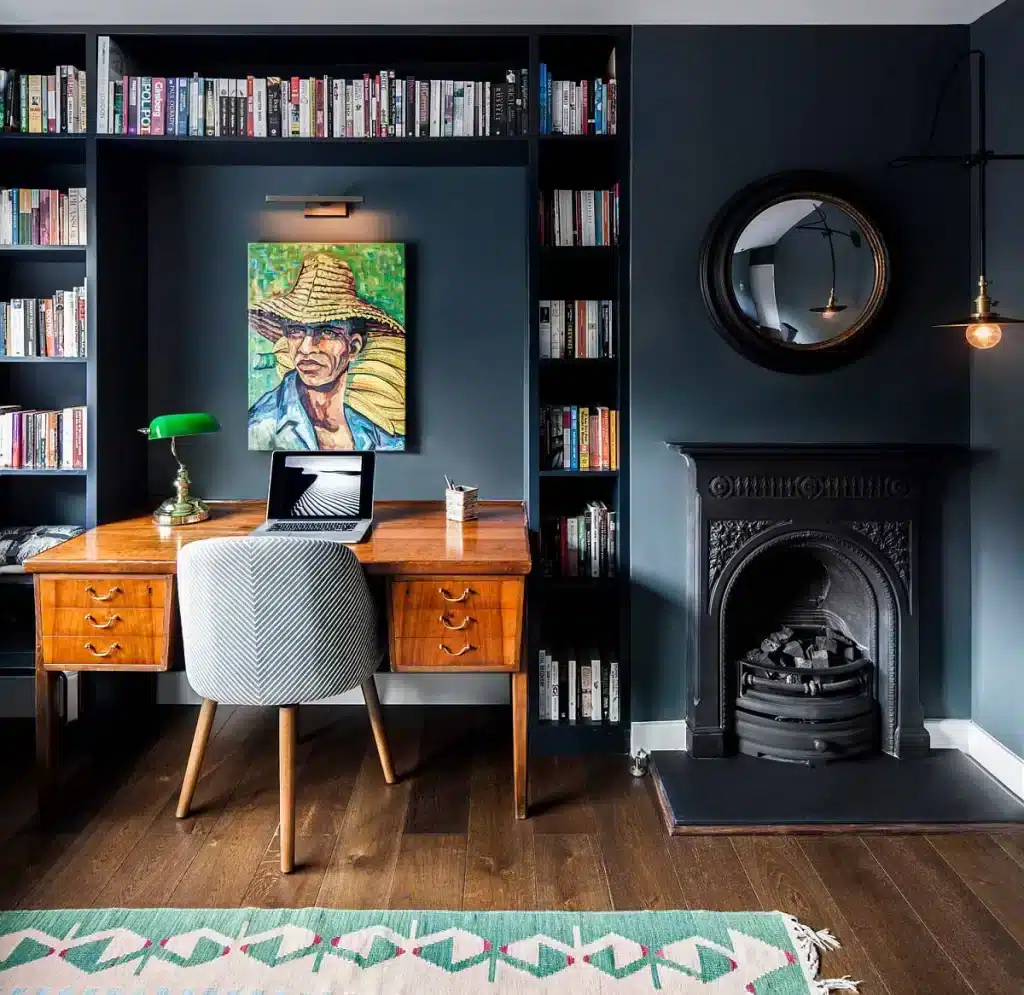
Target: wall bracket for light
[[317, 205], [983, 326]]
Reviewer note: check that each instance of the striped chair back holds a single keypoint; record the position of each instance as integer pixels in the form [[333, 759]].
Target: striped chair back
[[275, 621]]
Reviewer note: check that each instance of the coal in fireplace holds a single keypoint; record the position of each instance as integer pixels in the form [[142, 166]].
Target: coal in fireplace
[[801, 585]]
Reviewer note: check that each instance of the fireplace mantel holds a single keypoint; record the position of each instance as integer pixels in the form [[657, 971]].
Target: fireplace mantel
[[741, 500]]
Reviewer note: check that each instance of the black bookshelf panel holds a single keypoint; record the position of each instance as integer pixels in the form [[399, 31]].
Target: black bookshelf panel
[[575, 162], [581, 738], [578, 381], [39, 272], [41, 152], [139, 151], [578, 273], [44, 385], [40, 52], [580, 55], [41, 498]]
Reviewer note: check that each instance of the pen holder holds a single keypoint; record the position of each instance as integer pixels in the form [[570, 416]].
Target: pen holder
[[460, 503]]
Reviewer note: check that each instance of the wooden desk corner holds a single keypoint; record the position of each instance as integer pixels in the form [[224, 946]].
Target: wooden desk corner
[[105, 601]]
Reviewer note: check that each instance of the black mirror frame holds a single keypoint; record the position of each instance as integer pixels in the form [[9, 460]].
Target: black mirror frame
[[716, 274]]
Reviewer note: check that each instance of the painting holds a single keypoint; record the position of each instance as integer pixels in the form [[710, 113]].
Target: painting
[[327, 346]]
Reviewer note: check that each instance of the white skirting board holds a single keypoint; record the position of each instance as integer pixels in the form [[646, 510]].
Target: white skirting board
[[394, 689], [946, 734]]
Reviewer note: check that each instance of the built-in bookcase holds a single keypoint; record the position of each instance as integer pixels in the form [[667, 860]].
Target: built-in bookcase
[[581, 612], [119, 172]]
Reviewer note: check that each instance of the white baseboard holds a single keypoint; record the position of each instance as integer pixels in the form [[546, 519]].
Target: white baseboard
[[949, 734], [666, 735], [394, 689], [1003, 764]]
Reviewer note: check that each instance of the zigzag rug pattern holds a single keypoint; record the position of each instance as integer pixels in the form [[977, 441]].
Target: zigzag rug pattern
[[245, 951]]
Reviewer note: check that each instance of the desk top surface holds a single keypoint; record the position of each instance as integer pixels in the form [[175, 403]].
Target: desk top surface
[[408, 537]]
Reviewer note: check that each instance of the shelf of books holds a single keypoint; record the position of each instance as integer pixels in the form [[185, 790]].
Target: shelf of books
[[579, 640]]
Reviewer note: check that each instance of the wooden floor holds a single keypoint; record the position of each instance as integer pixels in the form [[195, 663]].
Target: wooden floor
[[916, 914]]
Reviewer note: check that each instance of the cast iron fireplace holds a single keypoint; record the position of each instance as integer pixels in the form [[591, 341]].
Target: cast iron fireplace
[[802, 594]]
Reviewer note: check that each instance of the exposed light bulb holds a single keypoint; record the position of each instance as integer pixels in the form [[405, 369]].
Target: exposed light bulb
[[829, 312], [984, 334]]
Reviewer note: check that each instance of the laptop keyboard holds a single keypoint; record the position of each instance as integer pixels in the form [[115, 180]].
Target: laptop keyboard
[[312, 527]]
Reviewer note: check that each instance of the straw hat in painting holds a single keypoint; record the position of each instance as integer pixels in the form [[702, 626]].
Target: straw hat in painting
[[325, 291]]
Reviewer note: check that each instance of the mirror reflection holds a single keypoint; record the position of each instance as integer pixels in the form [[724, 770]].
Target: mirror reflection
[[803, 272]]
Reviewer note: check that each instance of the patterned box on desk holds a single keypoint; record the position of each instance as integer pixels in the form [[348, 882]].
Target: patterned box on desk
[[460, 503]]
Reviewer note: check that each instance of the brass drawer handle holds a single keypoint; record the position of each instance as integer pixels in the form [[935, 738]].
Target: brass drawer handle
[[455, 628], [465, 649], [110, 649], [91, 591], [447, 597], [91, 619]]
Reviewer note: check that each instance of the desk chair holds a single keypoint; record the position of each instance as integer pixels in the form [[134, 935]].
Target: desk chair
[[275, 621]]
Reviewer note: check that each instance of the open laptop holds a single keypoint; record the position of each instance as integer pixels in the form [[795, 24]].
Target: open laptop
[[320, 496]]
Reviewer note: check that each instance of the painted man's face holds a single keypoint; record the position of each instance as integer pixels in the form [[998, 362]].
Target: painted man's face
[[321, 353]]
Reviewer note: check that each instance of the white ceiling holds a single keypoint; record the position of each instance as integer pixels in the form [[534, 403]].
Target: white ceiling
[[128, 12]]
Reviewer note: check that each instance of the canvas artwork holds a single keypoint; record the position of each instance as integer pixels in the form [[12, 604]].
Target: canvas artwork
[[326, 346]]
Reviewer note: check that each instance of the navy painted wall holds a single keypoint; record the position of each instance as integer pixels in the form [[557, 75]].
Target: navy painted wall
[[714, 109], [997, 417], [467, 306]]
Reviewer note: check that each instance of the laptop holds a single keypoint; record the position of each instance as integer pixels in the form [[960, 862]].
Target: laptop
[[320, 496]]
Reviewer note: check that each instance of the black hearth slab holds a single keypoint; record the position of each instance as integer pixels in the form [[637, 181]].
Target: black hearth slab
[[943, 789]]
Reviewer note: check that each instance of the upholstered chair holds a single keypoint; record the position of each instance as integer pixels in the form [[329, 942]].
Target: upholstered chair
[[275, 622]]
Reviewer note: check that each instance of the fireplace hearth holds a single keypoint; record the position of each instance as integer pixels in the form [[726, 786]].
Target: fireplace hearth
[[802, 589]]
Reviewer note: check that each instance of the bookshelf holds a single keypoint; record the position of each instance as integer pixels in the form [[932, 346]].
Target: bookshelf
[[118, 172], [581, 612]]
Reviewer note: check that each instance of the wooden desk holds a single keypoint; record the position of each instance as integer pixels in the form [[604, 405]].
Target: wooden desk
[[455, 601]]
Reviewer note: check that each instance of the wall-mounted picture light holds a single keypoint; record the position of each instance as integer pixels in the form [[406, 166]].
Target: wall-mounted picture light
[[317, 205]]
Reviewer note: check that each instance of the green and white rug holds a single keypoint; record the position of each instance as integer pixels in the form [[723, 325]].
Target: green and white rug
[[318, 951]]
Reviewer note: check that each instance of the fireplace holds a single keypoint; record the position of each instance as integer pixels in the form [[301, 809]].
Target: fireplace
[[802, 595]]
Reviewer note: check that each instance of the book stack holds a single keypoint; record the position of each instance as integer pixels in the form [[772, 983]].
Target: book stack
[[570, 108], [50, 326], [578, 687], [377, 105], [581, 545], [43, 104], [577, 330], [43, 217], [579, 438], [42, 440], [579, 217]]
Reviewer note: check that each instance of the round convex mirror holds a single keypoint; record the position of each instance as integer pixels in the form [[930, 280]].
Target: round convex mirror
[[793, 273]]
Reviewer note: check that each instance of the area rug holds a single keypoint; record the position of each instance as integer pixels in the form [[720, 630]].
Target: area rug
[[248, 951]]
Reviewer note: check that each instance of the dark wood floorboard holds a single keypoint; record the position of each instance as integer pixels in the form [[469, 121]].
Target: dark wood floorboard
[[916, 915]]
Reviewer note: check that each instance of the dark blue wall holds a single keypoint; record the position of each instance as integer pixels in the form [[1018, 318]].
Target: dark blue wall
[[467, 306], [997, 415], [714, 109]]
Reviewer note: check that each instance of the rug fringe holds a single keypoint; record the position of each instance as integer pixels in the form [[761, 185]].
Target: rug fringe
[[809, 942]]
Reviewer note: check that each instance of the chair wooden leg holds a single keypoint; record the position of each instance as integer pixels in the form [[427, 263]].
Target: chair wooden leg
[[195, 757], [377, 725], [287, 728]]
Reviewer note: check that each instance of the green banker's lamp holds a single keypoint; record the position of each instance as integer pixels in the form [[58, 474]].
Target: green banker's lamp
[[183, 508]]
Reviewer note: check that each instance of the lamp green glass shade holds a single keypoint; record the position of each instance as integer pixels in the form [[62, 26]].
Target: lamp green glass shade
[[183, 508], [192, 423]]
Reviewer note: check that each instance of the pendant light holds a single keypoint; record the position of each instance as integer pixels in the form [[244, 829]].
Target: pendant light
[[983, 327], [832, 308]]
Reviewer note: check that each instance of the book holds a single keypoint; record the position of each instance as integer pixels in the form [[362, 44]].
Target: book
[[614, 705], [145, 105], [543, 687], [159, 118], [554, 680], [572, 686], [596, 688]]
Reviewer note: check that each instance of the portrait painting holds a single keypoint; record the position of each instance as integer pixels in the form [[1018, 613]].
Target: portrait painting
[[327, 346]]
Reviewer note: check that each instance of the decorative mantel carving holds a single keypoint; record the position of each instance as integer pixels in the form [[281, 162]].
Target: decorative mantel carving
[[893, 540], [809, 487], [726, 536]]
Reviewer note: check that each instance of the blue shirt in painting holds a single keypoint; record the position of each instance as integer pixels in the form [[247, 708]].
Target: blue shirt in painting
[[279, 421]]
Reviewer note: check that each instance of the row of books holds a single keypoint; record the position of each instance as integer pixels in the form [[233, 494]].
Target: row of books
[[374, 106], [43, 104], [42, 440], [579, 217], [30, 216], [584, 545], [578, 687], [570, 108], [49, 326], [579, 438], [577, 330]]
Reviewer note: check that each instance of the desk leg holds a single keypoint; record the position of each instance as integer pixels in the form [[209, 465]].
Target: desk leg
[[519, 718], [47, 739]]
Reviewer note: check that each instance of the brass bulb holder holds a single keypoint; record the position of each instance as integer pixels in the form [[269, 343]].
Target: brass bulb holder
[[183, 508], [831, 309], [983, 304]]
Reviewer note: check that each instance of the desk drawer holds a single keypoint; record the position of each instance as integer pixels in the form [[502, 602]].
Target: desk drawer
[[455, 593], [455, 651], [101, 621], [453, 620], [106, 591], [104, 652]]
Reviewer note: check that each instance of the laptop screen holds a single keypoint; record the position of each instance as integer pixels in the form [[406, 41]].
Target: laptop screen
[[325, 485]]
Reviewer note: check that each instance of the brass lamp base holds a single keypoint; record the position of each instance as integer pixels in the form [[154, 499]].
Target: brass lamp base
[[183, 508], [188, 512]]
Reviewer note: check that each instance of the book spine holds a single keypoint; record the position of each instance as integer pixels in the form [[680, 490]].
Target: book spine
[[596, 691], [586, 692], [572, 688], [543, 693], [613, 440], [259, 112], [545, 329], [554, 681], [584, 439], [103, 110], [605, 438], [158, 119], [145, 105]]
